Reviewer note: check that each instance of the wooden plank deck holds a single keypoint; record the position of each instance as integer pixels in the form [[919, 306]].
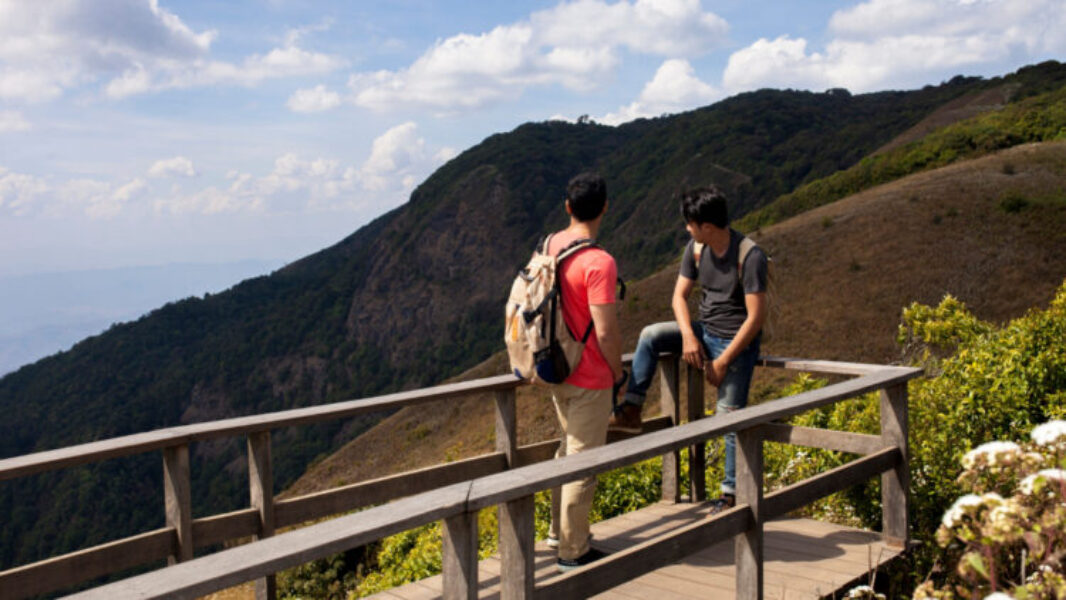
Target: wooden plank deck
[[803, 559]]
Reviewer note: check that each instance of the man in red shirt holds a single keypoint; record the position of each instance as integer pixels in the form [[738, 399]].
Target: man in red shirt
[[583, 402]]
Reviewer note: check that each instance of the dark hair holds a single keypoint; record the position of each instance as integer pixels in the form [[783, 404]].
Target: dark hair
[[587, 194], [705, 205]]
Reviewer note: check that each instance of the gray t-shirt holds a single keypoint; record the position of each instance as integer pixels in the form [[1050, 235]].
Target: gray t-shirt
[[722, 308]]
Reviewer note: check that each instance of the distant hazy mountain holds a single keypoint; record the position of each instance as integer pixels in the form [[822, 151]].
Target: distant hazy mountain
[[45, 313]]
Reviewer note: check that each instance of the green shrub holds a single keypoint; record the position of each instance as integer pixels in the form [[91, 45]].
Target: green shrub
[[1013, 202], [983, 382]]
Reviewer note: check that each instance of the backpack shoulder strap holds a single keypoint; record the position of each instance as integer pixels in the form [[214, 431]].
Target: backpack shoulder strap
[[573, 247], [697, 253], [746, 246], [542, 245]]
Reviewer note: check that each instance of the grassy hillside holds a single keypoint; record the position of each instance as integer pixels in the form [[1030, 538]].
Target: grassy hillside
[[406, 301], [1036, 119]]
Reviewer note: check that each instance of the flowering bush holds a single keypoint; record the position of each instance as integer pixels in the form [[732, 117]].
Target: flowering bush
[[984, 382], [1007, 537]]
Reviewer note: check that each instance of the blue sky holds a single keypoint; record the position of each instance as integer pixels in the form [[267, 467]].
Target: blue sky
[[147, 132]]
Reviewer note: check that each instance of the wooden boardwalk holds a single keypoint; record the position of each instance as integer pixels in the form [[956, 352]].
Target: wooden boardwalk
[[803, 559]]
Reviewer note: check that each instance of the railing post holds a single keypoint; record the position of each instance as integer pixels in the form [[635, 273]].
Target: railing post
[[697, 453], [261, 489], [507, 426], [459, 556], [177, 491], [895, 484], [516, 549], [670, 404], [516, 544], [749, 545]]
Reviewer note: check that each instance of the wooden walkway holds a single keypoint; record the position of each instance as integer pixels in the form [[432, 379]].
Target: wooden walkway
[[803, 559]]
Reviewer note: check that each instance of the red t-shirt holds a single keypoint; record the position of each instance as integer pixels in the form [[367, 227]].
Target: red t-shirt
[[586, 278]]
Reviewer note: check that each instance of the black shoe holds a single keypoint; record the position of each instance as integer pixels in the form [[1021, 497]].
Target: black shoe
[[592, 555], [726, 502]]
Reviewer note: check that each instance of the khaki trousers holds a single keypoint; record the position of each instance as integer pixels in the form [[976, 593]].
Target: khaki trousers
[[583, 415]]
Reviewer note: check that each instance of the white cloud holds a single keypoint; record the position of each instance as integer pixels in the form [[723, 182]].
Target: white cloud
[[131, 46], [46, 47], [445, 154], [662, 27], [13, 121], [895, 43], [178, 166], [208, 201], [674, 88], [293, 184], [315, 99], [23, 195], [19, 193], [291, 165], [393, 156], [575, 45], [289, 61], [101, 202], [131, 190]]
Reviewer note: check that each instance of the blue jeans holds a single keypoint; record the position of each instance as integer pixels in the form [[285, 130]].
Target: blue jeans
[[663, 337]]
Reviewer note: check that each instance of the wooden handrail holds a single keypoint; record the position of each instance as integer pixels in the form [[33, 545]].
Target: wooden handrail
[[139, 443], [509, 485], [513, 487]]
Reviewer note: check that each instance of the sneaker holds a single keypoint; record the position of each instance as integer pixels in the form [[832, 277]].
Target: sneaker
[[592, 555], [626, 418], [553, 542]]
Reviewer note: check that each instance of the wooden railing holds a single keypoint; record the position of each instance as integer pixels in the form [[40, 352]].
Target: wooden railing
[[454, 492]]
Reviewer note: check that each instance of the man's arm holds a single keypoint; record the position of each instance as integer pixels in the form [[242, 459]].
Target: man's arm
[[756, 305], [609, 335], [691, 348]]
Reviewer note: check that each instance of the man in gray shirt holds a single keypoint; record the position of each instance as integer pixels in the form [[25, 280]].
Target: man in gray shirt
[[724, 340]]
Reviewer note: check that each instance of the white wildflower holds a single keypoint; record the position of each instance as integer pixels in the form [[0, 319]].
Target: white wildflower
[[999, 596], [1001, 519], [1049, 433], [994, 453], [863, 591], [954, 515], [1034, 458], [1049, 475]]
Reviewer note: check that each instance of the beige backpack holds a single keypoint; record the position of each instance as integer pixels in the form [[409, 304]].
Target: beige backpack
[[541, 347]]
